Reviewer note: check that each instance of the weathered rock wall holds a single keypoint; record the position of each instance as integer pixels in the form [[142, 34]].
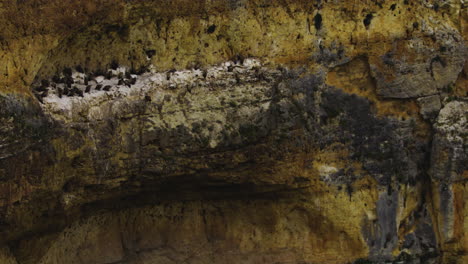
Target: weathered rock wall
[[253, 132]]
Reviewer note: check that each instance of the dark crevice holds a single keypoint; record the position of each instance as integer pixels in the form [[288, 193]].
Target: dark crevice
[[367, 20], [318, 21], [211, 29]]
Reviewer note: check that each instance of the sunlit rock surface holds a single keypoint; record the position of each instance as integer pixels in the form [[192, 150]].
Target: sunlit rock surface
[[233, 131]]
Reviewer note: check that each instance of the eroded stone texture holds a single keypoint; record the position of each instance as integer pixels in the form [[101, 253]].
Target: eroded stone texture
[[450, 143], [236, 231], [420, 69], [430, 106], [6, 256], [449, 174], [268, 129]]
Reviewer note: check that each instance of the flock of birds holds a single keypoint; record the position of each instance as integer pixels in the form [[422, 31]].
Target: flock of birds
[[77, 83]]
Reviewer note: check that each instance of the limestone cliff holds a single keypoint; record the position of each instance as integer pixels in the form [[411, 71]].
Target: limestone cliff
[[233, 131]]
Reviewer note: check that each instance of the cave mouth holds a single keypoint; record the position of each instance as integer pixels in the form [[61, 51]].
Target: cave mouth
[[228, 221]]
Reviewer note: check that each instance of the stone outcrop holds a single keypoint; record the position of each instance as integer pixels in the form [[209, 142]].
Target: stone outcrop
[[233, 132], [449, 174]]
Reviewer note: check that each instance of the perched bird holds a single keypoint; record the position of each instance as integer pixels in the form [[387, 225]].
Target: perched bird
[[59, 92], [169, 73], [39, 98], [109, 75], [114, 65], [40, 89], [56, 79], [67, 71], [150, 53], [79, 69], [77, 91], [239, 59], [68, 81], [88, 88], [98, 87], [142, 70], [45, 83]]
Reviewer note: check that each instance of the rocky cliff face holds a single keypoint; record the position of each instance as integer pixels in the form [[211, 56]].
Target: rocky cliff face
[[233, 131]]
